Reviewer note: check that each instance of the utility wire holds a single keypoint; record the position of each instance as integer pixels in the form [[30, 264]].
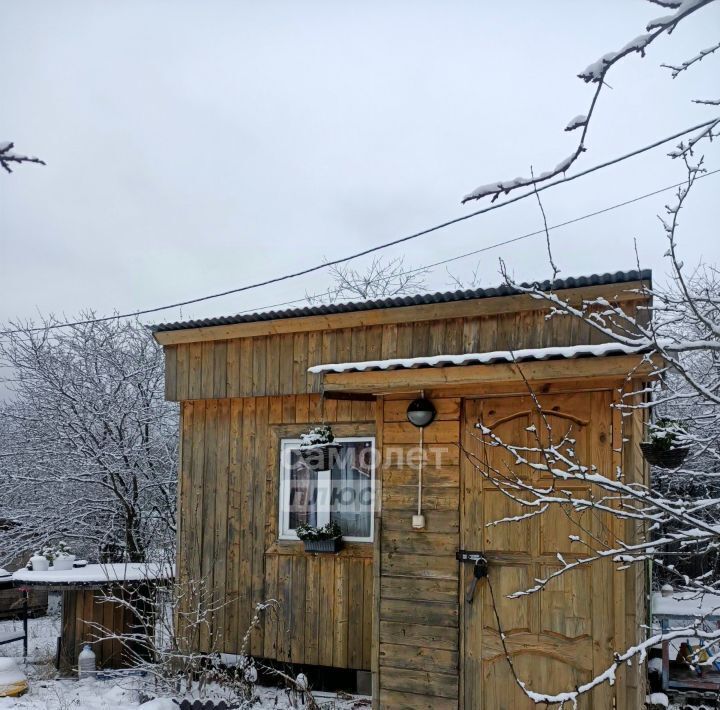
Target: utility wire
[[379, 247], [511, 240]]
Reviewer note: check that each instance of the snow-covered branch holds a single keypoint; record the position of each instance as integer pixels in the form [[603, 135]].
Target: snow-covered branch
[[673, 520], [8, 157], [596, 73]]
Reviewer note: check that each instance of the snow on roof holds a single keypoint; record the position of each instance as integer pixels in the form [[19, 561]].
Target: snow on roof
[[97, 574], [497, 356], [4, 573], [686, 604]]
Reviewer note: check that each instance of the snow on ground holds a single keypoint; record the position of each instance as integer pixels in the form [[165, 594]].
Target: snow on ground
[[108, 695], [42, 638], [48, 693], [59, 695]]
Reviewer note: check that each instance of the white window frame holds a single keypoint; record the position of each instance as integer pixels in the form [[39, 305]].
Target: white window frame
[[286, 445]]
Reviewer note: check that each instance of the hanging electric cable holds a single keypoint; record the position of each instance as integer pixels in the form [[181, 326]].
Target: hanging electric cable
[[379, 247]]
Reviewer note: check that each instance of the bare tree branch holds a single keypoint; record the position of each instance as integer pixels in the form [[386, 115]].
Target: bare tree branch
[[463, 284], [684, 66], [381, 279], [555, 269]]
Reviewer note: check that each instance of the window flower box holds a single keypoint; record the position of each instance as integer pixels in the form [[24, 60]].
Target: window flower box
[[334, 544], [327, 538]]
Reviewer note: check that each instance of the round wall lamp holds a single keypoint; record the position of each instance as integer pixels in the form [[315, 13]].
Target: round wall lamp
[[421, 412]]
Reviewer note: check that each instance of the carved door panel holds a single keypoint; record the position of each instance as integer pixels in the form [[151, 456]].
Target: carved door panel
[[559, 637]]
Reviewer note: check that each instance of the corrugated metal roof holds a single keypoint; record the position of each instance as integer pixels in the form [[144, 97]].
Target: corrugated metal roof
[[618, 277], [490, 358]]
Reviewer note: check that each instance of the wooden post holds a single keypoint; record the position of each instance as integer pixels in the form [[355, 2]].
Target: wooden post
[[665, 657], [25, 623]]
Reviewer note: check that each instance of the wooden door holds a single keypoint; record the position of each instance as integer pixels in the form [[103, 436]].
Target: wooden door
[[559, 637]]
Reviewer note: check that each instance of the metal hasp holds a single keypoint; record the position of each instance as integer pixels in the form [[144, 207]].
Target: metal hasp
[[480, 570], [470, 556]]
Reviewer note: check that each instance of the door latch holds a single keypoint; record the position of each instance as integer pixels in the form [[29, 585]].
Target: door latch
[[469, 555], [480, 570]]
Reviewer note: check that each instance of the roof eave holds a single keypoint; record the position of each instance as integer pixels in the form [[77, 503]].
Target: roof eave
[[616, 292], [614, 367]]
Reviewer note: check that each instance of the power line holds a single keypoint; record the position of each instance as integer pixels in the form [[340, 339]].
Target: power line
[[511, 240], [371, 250], [557, 226]]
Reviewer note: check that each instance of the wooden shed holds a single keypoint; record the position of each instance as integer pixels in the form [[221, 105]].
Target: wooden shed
[[393, 600], [92, 610]]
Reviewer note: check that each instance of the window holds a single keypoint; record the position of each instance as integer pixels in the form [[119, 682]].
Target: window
[[345, 494]]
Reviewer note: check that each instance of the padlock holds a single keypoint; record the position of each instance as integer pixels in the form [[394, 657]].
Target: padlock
[[480, 570]]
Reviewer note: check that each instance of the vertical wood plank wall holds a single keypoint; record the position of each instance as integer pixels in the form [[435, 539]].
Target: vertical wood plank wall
[[83, 611], [237, 397], [277, 364], [229, 527]]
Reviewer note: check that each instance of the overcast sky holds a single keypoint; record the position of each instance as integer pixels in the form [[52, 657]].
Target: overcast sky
[[194, 147]]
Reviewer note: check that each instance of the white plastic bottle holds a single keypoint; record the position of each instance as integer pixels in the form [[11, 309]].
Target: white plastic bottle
[[86, 662]]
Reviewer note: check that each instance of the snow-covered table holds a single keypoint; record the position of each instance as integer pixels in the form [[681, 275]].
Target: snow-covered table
[[90, 603], [97, 575], [683, 609]]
